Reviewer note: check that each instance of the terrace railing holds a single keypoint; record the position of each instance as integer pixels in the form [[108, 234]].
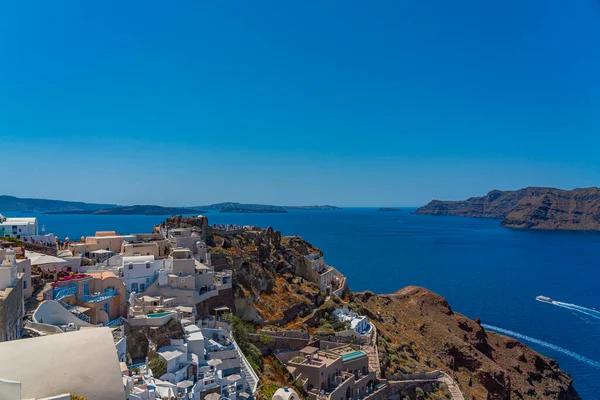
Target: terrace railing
[[152, 280], [115, 322], [62, 292], [95, 298]]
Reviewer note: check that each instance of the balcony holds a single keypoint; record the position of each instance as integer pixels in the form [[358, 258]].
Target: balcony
[[96, 298], [62, 292]]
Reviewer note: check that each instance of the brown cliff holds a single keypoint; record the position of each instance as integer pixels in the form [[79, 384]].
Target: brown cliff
[[532, 208], [267, 288], [419, 332]]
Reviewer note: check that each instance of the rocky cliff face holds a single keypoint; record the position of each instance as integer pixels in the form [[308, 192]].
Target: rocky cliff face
[[533, 208], [577, 209], [419, 332], [267, 288]]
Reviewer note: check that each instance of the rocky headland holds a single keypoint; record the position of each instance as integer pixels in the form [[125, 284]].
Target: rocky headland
[[531, 208], [417, 329]]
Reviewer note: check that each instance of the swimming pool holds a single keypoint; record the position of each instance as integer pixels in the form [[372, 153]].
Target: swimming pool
[[355, 354], [158, 315]]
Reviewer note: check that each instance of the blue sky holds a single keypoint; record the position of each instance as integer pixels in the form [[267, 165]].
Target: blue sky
[[342, 102]]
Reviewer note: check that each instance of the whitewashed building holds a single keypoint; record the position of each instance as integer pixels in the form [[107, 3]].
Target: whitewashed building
[[139, 272], [14, 227], [358, 323]]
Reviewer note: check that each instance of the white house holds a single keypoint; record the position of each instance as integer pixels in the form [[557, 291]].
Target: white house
[[139, 272], [358, 323], [14, 227], [8, 270], [179, 367]]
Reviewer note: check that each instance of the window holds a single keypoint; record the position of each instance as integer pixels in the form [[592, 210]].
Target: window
[[142, 287], [24, 284], [148, 265], [130, 266]]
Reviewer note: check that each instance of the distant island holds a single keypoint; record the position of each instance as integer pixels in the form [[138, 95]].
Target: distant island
[[25, 205], [388, 209], [529, 208], [45, 206], [134, 210]]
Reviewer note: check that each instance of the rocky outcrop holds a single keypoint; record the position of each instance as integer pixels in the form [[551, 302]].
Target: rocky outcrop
[[141, 341], [419, 332], [267, 289], [532, 208]]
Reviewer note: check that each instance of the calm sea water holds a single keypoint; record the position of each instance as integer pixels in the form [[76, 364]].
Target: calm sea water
[[483, 270]]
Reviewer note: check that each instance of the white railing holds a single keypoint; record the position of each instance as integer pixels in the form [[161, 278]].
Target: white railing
[[246, 364]]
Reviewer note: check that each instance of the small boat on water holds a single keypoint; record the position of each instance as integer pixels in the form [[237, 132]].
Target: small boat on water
[[544, 299]]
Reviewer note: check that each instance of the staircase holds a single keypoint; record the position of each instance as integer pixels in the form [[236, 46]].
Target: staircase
[[76, 312], [115, 322], [249, 375]]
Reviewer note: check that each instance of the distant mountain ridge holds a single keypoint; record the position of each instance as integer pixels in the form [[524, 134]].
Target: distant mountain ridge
[[134, 210], [16, 204], [12, 203], [530, 208]]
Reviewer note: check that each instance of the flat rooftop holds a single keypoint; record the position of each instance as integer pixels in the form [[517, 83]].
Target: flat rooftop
[[83, 362]]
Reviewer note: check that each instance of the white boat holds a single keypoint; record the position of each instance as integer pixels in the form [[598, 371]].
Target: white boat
[[544, 299]]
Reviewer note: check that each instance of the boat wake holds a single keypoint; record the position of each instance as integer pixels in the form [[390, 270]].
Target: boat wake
[[569, 353], [574, 307]]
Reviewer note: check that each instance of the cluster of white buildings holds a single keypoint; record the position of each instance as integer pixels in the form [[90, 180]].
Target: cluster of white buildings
[[206, 361], [149, 280]]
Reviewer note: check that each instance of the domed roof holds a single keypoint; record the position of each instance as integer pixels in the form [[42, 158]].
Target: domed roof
[[285, 393]]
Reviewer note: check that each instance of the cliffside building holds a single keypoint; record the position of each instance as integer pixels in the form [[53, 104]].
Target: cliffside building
[[12, 307], [23, 267], [103, 240], [358, 323], [330, 280], [96, 298], [337, 374], [18, 227]]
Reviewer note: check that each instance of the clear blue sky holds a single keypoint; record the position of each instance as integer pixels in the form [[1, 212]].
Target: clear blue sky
[[309, 102]]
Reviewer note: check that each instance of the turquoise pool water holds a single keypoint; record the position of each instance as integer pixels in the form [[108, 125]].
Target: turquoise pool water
[[158, 315], [355, 354]]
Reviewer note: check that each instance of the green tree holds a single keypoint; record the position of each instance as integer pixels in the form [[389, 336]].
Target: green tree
[[158, 367], [265, 339]]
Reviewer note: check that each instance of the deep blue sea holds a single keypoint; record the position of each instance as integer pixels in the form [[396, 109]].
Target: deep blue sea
[[483, 270]]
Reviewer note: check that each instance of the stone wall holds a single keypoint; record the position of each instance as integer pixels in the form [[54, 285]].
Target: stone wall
[[278, 343], [402, 389], [49, 251], [11, 313]]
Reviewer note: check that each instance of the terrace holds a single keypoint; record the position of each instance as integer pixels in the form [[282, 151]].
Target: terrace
[[98, 297]]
